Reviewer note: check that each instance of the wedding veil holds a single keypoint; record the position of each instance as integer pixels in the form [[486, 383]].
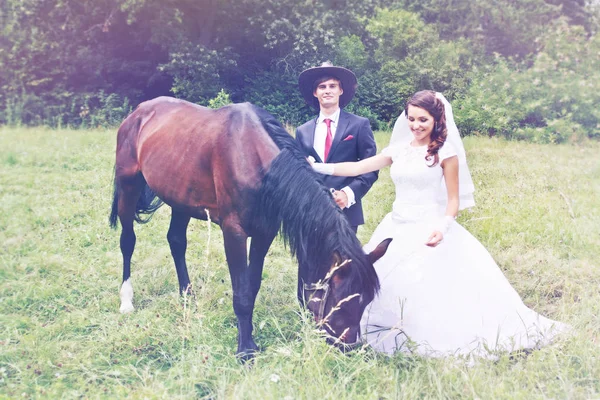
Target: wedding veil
[[401, 133]]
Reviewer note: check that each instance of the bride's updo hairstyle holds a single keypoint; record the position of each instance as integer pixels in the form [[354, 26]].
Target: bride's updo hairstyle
[[427, 100]]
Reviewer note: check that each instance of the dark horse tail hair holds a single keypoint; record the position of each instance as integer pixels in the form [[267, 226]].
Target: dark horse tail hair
[[147, 204], [115, 206]]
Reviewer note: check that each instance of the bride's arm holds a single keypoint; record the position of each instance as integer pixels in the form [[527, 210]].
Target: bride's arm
[[354, 168], [450, 166]]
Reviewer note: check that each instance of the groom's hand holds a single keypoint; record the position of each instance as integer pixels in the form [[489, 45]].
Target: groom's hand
[[341, 198]]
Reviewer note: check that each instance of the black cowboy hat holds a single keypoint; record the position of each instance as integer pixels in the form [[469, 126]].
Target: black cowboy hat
[[308, 77]]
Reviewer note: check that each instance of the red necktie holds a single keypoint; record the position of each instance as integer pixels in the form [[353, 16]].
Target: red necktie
[[328, 139]]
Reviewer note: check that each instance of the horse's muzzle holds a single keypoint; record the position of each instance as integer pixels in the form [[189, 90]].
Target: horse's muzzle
[[342, 346]]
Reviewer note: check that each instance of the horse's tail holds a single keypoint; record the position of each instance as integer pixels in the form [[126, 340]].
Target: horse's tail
[[148, 202], [115, 206]]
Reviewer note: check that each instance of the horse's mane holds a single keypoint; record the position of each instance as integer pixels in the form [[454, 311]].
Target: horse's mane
[[293, 197]]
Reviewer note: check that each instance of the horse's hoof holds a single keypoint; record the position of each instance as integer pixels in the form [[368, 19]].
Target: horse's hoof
[[187, 291], [246, 357], [126, 296], [126, 308]]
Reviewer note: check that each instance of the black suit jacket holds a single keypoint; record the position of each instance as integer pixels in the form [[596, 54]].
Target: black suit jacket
[[353, 141]]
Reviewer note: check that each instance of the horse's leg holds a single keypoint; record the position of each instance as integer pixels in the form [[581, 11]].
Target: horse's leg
[[178, 242], [258, 250], [128, 198], [234, 239]]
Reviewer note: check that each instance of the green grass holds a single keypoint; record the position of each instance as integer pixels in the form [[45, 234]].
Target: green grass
[[61, 334]]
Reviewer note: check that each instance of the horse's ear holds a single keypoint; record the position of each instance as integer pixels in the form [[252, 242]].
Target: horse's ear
[[337, 259], [379, 250]]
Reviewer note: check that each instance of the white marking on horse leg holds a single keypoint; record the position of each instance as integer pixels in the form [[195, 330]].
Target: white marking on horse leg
[[126, 295]]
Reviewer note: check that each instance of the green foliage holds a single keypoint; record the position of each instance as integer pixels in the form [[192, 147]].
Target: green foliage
[[278, 93], [303, 34], [506, 27], [555, 100], [55, 55], [220, 100], [413, 57], [375, 93], [399, 34], [351, 53], [86, 63], [79, 110], [576, 11], [197, 71], [370, 100], [366, 112], [107, 110], [486, 105]]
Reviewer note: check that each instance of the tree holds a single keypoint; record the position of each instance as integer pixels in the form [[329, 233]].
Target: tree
[[412, 57], [61, 56], [507, 27]]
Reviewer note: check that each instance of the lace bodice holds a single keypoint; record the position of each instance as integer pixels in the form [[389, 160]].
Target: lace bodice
[[418, 187]]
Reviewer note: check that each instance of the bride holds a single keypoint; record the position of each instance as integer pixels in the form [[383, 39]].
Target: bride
[[441, 292]]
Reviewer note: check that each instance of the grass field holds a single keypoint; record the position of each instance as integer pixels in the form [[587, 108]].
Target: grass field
[[61, 334]]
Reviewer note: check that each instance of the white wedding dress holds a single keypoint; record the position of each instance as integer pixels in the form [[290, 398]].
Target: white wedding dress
[[448, 300]]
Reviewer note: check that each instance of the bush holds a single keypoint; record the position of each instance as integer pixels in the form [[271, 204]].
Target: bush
[[557, 131], [107, 110], [83, 110], [376, 123], [554, 100], [278, 93], [220, 100], [196, 71], [411, 56]]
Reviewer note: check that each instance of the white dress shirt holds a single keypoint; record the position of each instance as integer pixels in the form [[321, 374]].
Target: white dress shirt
[[319, 145], [321, 132]]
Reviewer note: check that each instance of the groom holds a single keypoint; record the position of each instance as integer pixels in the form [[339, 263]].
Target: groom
[[336, 135]]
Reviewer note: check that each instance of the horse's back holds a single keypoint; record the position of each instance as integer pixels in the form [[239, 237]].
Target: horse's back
[[171, 119], [194, 157]]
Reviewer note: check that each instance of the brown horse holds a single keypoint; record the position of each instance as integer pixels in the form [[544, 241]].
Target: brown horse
[[240, 168]]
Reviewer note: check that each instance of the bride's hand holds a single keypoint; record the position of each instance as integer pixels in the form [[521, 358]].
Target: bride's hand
[[311, 160], [434, 239], [440, 229]]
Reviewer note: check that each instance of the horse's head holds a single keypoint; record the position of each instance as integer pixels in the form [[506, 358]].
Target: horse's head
[[338, 300]]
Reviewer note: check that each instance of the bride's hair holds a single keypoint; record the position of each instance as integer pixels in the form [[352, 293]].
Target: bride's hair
[[427, 100]]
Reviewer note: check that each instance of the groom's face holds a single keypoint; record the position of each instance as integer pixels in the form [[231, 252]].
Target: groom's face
[[328, 93]]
